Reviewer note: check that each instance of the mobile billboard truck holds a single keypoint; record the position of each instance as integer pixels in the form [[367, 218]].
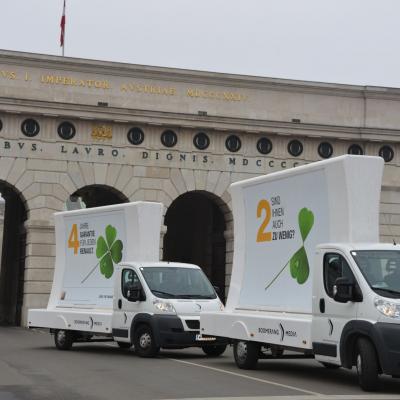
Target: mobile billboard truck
[[308, 272], [110, 285]]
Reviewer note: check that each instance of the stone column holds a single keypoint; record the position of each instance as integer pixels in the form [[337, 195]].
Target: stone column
[[228, 234], [163, 232], [39, 265]]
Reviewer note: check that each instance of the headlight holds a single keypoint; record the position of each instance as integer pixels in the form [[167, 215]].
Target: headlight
[[387, 308], [164, 306]]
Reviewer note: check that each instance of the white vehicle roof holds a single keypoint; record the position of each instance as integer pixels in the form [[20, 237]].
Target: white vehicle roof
[[360, 246], [159, 264]]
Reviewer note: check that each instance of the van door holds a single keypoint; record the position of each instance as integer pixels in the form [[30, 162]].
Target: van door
[[330, 316], [125, 305]]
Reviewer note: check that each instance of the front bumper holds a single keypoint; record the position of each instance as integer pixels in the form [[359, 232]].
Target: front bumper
[[169, 332], [387, 339]]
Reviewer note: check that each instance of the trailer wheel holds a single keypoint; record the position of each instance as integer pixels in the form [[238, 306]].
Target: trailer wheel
[[124, 345], [63, 339], [277, 351], [246, 354], [145, 345], [367, 365], [214, 350]]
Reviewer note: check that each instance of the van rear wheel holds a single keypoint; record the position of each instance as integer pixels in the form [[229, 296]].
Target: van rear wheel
[[367, 365], [246, 354], [63, 339], [145, 345]]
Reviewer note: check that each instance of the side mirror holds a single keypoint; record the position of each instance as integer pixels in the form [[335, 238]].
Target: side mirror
[[343, 290], [134, 293]]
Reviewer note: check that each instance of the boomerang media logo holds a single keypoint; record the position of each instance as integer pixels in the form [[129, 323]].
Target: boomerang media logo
[[287, 332], [282, 332]]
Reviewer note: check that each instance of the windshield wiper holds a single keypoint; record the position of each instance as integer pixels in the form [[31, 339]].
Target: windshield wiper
[[195, 296], [164, 293], [385, 290]]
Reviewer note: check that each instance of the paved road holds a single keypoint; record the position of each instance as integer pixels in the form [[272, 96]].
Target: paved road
[[31, 368]]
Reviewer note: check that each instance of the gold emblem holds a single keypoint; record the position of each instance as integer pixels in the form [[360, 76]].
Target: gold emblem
[[101, 132]]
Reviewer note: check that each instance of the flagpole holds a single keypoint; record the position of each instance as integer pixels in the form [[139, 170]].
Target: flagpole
[[65, 6], [62, 26]]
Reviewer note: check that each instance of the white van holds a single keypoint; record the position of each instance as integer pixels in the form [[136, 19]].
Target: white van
[[100, 293], [308, 272]]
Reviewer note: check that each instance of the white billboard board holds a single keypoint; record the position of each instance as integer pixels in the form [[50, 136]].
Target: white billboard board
[[91, 242], [283, 226], [280, 218]]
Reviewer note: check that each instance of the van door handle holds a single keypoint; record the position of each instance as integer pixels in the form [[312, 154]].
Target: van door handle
[[119, 303], [322, 305]]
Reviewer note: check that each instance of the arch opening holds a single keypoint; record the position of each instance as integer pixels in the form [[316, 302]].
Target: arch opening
[[195, 234], [99, 195], [13, 215]]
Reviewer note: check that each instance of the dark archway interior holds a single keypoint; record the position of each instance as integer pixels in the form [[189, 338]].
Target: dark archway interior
[[99, 195], [195, 234], [13, 257]]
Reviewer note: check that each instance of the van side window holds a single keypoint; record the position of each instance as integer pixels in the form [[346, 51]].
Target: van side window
[[130, 280], [335, 266]]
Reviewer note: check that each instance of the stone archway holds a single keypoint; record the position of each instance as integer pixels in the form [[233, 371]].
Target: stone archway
[[12, 267], [195, 234], [100, 195]]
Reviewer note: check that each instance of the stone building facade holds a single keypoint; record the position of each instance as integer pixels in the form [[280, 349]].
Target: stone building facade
[[112, 132]]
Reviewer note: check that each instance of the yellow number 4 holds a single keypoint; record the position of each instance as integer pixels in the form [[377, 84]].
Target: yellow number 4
[[73, 242]]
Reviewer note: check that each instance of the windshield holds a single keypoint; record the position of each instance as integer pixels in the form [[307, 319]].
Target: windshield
[[178, 283], [381, 269]]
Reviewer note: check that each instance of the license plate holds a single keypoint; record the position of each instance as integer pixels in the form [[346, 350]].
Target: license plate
[[202, 338]]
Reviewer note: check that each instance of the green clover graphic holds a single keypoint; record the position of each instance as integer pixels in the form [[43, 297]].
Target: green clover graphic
[[109, 252], [298, 263]]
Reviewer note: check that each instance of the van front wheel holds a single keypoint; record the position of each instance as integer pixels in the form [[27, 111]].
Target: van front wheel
[[367, 365], [145, 345], [63, 339], [246, 354], [124, 345], [329, 365], [214, 350]]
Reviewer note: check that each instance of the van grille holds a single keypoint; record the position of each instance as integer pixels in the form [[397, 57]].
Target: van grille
[[193, 323]]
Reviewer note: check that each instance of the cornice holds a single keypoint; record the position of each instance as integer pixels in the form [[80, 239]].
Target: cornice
[[194, 121]]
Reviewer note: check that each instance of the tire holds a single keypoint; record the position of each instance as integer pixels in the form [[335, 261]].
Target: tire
[[246, 354], [145, 345], [330, 366], [63, 339], [124, 345], [367, 365], [214, 351]]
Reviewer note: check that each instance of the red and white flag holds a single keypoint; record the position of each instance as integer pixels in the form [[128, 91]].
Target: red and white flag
[[62, 25]]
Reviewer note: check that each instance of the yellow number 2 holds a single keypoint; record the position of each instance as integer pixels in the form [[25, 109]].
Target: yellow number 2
[[73, 242], [263, 236]]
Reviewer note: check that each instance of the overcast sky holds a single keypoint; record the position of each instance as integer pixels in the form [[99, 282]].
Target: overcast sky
[[343, 41]]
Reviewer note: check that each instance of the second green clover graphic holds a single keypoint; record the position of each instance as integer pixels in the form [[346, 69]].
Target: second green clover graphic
[[299, 266]]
